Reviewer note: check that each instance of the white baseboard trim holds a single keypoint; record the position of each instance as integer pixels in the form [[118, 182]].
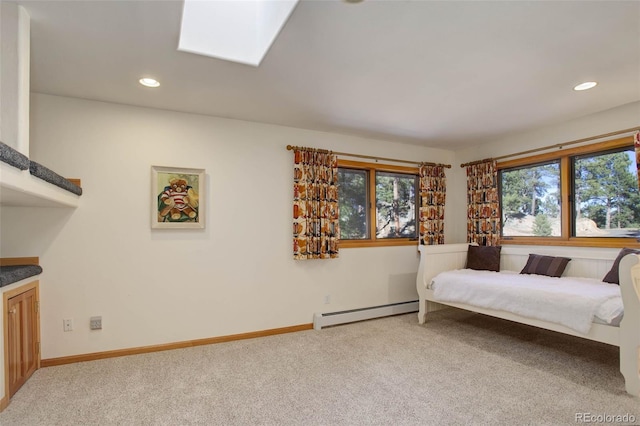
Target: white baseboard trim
[[343, 317]]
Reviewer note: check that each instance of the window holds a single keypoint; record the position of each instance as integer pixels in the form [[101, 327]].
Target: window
[[605, 195], [353, 204], [530, 198], [580, 196], [377, 204]]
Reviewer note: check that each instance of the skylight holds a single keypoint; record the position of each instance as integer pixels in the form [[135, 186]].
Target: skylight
[[240, 31]]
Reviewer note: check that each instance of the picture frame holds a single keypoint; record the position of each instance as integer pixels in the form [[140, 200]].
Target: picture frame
[[177, 198]]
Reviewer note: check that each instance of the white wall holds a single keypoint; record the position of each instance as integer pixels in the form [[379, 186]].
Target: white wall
[[15, 46], [235, 276], [615, 119], [161, 286]]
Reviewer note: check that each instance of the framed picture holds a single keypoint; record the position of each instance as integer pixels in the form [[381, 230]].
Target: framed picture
[[176, 200]]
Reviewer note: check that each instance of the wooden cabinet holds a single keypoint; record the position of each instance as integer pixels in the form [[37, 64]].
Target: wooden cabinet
[[22, 335]]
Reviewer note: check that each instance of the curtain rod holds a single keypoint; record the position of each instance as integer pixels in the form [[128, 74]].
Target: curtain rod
[[473, 163], [558, 145], [448, 166]]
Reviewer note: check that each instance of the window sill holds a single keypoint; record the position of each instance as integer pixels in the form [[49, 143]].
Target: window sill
[[574, 242], [377, 243]]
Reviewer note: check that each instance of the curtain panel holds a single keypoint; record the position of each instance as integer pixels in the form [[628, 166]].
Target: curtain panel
[[433, 188], [483, 207], [636, 144], [316, 226]]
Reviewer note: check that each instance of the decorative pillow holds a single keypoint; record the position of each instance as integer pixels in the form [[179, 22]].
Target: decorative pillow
[[484, 258], [545, 265], [612, 276]]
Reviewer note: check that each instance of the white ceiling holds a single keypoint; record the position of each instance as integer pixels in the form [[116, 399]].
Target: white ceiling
[[438, 73]]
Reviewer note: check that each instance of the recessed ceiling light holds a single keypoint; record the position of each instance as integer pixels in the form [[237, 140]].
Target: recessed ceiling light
[[585, 86], [149, 82]]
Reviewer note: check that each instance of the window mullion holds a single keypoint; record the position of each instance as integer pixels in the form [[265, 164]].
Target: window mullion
[[566, 205], [372, 204]]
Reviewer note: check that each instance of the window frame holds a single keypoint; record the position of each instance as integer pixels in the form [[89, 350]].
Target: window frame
[[371, 169], [566, 197]]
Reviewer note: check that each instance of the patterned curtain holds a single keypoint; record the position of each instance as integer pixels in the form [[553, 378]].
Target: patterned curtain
[[316, 227], [483, 209], [433, 186], [636, 143]]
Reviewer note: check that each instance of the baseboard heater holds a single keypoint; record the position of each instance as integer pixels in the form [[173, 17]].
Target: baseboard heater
[[353, 315]]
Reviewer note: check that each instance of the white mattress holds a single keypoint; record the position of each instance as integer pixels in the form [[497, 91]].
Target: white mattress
[[569, 301]]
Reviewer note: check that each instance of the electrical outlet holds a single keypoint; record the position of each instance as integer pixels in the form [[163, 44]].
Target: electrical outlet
[[327, 299], [95, 323], [67, 324]]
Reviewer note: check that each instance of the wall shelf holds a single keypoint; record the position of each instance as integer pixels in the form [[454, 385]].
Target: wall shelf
[[14, 273], [20, 188]]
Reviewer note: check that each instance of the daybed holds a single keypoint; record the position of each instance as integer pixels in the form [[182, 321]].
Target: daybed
[[585, 262]]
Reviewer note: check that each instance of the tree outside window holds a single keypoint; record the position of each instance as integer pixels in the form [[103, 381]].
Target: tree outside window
[[587, 195], [531, 200], [606, 200], [377, 204]]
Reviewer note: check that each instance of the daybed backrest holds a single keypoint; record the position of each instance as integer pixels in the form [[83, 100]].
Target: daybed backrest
[[585, 261], [439, 258], [588, 262]]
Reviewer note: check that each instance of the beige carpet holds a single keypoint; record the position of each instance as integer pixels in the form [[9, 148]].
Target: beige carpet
[[460, 368]]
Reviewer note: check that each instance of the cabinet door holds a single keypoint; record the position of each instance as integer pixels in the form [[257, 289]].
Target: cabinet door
[[23, 345]]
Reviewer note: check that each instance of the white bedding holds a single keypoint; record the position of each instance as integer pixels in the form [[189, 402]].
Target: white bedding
[[569, 301]]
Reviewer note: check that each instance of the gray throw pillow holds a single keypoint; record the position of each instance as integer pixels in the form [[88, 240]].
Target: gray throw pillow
[[484, 258], [550, 266], [612, 276]]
